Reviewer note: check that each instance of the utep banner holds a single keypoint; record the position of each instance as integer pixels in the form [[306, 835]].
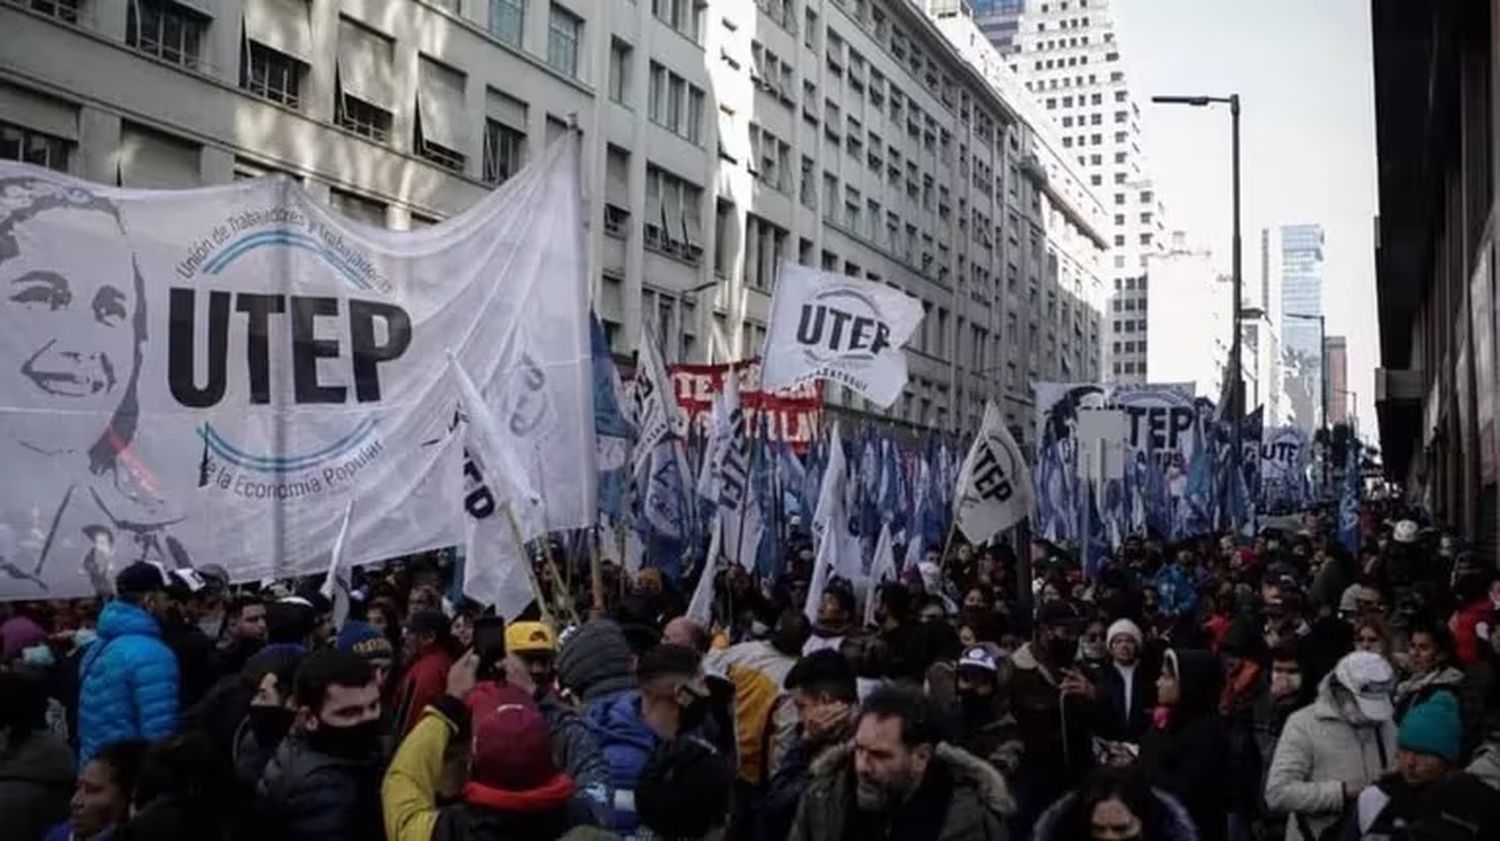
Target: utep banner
[[792, 415], [994, 486], [1283, 464], [830, 327], [212, 376]]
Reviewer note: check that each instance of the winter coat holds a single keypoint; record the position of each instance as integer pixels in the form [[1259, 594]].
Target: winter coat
[[574, 748], [1486, 764], [425, 681], [778, 808], [1465, 628], [1459, 807], [627, 742], [961, 798], [307, 795], [1056, 733], [1110, 721], [1064, 821], [36, 782], [409, 793], [128, 682], [765, 718], [195, 660], [1319, 757], [1189, 756]]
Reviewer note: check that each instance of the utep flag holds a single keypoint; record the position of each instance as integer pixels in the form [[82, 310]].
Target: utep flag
[[994, 488], [657, 413], [843, 329], [611, 430], [211, 375]]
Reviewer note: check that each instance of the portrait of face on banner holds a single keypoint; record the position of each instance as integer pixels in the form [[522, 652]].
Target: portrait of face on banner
[[214, 375]]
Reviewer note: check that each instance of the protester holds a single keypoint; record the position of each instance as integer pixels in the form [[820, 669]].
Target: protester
[[128, 677], [684, 791], [530, 665], [1126, 691], [765, 717], [1331, 749], [36, 765], [597, 664], [514, 790], [324, 780], [1431, 658], [1186, 750], [101, 797], [673, 700], [1372, 634], [269, 717], [985, 726], [365, 640], [194, 649], [688, 634], [1116, 805], [898, 778], [427, 649], [836, 618], [823, 689], [183, 793], [244, 634]]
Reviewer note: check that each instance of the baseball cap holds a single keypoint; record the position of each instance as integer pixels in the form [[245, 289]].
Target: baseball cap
[[1405, 532], [524, 637], [511, 748], [978, 657], [1370, 679], [142, 577], [185, 583]]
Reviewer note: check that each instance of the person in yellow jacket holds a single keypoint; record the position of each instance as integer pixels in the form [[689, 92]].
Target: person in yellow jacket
[[515, 791]]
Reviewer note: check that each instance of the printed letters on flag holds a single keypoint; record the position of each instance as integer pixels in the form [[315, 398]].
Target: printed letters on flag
[[995, 485], [842, 329]]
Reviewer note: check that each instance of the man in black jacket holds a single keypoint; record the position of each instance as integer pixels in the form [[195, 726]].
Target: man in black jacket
[[324, 781]]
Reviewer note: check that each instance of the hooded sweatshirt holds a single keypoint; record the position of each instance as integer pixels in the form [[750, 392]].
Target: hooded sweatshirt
[[1186, 751]]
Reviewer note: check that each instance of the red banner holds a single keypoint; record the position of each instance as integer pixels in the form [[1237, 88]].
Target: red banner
[[792, 415]]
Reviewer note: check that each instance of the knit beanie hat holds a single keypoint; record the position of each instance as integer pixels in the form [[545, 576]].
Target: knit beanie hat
[[596, 660], [1432, 727], [1127, 628]]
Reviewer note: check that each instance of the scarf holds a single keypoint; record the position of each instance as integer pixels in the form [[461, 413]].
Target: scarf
[[1446, 676], [1239, 683]]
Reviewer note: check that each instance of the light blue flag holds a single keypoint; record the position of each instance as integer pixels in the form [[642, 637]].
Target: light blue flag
[[612, 432], [1349, 500]]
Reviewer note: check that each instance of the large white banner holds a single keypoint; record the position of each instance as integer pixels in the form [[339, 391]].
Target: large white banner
[[994, 488], [211, 376], [842, 329]]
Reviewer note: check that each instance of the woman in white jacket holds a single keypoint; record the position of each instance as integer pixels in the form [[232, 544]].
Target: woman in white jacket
[[1334, 747]]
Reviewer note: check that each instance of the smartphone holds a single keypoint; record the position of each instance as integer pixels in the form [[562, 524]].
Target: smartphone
[[489, 644]]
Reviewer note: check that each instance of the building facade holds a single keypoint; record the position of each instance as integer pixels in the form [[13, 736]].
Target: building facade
[[1435, 130], [1069, 58], [1301, 331], [720, 138], [1188, 318], [1336, 351]]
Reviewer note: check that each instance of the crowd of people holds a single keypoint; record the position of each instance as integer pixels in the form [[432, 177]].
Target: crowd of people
[[1221, 689]]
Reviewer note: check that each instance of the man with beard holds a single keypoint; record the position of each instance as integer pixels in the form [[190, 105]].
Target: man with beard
[[899, 780], [1052, 702], [986, 728]]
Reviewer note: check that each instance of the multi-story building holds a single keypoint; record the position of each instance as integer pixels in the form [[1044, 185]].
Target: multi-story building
[[720, 138], [1336, 351], [1435, 258], [1261, 340], [1301, 331], [1187, 318], [1069, 57]]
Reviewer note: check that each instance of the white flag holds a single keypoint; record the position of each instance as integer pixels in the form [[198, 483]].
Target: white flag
[[994, 488], [843, 329], [495, 571], [822, 566], [831, 491], [883, 568], [701, 608], [657, 414], [336, 581]]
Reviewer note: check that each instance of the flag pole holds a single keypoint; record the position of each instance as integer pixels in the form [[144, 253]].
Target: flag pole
[[596, 573], [536, 586]]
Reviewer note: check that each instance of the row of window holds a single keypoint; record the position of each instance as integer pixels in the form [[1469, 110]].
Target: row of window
[[675, 104]]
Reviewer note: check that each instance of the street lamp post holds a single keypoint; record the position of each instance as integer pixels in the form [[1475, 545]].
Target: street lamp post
[[1236, 372]]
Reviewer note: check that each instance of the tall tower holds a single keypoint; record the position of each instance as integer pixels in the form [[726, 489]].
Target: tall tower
[[1068, 54], [1302, 295]]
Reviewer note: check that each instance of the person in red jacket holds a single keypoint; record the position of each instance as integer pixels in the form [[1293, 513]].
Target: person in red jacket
[[1479, 593], [428, 648]]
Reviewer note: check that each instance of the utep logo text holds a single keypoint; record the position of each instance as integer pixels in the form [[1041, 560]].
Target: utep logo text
[[842, 323]]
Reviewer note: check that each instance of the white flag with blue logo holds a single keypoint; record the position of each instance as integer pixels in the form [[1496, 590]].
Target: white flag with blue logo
[[840, 329]]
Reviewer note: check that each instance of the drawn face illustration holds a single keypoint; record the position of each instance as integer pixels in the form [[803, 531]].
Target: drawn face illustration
[[69, 309]]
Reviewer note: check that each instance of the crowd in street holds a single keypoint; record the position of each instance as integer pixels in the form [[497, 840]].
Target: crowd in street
[[1220, 689]]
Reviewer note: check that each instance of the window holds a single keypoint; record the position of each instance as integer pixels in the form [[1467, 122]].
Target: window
[[619, 69], [507, 20], [1145, 197], [63, 10], [271, 75], [169, 31], [672, 218], [442, 127], [808, 189], [810, 31], [357, 207], [564, 32], [33, 147], [685, 16], [675, 104], [504, 137], [366, 92]]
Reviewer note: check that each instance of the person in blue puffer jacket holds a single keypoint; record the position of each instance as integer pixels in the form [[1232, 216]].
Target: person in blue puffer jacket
[[128, 676]]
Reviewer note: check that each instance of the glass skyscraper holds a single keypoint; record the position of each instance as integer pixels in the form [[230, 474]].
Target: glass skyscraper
[[1302, 294]]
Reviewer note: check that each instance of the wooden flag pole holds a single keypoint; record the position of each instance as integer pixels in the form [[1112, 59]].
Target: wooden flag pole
[[536, 586], [596, 573]]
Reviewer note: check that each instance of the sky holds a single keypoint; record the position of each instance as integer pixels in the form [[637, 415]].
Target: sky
[[1303, 71]]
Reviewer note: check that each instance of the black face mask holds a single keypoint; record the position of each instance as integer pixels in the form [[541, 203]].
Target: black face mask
[[694, 714], [976, 708], [270, 725], [357, 741]]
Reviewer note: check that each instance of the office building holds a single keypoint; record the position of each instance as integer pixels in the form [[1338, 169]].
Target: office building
[[1301, 331], [1336, 351], [1187, 319], [719, 138], [1435, 259], [1069, 57]]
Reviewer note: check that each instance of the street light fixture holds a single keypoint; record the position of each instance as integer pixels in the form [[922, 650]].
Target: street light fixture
[[1237, 385]]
